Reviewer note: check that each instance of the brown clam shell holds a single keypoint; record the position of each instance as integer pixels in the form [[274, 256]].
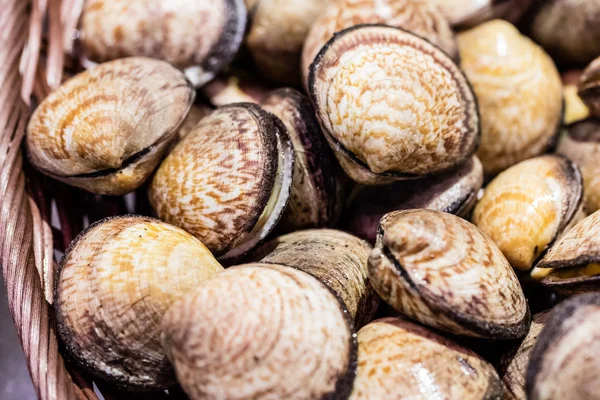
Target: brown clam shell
[[469, 13], [453, 192], [337, 259], [200, 37], [106, 129], [114, 283], [589, 85], [315, 199], [519, 92], [197, 112], [228, 181], [564, 362], [526, 207], [416, 16], [261, 331], [442, 271], [392, 105], [401, 360]]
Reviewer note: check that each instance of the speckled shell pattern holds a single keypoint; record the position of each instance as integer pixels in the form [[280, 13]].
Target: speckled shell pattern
[[105, 129], [115, 282], [526, 207], [261, 331], [563, 363], [589, 86], [219, 180], [582, 145], [416, 16], [442, 271], [453, 192], [392, 105], [201, 37], [519, 92], [337, 259], [401, 360]]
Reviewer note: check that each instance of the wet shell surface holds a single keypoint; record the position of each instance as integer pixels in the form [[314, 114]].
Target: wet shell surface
[[527, 206], [114, 284], [261, 331], [582, 145], [519, 92], [442, 271], [564, 362], [468, 13], [337, 259], [106, 129], [453, 192], [315, 199], [416, 16], [392, 105], [401, 360], [228, 181], [589, 86], [200, 37]]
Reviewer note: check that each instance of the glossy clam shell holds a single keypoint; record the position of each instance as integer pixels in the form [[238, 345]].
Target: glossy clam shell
[[220, 180], [416, 16], [315, 199], [564, 362], [261, 331], [582, 145], [401, 360], [468, 13], [589, 85], [201, 37], [114, 284], [454, 192], [337, 259], [105, 129], [392, 105], [527, 206], [519, 92], [442, 271]]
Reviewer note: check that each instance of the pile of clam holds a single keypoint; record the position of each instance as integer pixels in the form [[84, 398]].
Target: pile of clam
[[396, 222]]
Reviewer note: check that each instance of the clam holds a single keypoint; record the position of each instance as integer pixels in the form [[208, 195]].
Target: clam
[[526, 207], [416, 16], [106, 129], [564, 362], [589, 85], [582, 145], [575, 108], [442, 271], [392, 105], [199, 37], [228, 181], [519, 92], [337, 259], [469, 13], [114, 284], [261, 331], [235, 87], [401, 360], [315, 199], [197, 112], [453, 192]]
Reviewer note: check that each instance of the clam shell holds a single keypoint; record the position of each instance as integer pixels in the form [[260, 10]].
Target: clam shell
[[589, 85], [337, 259], [442, 271], [391, 105], [527, 206], [261, 331], [106, 129], [315, 199], [401, 360], [564, 362], [469, 13], [114, 284], [197, 112], [582, 145], [200, 37], [519, 92], [454, 192], [416, 16], [227, 182]]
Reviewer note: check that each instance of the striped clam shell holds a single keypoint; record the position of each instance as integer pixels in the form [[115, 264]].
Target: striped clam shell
[[589, 86], [392, 105], [442, 271], [114, 284], [261, 331], [106, 129]]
